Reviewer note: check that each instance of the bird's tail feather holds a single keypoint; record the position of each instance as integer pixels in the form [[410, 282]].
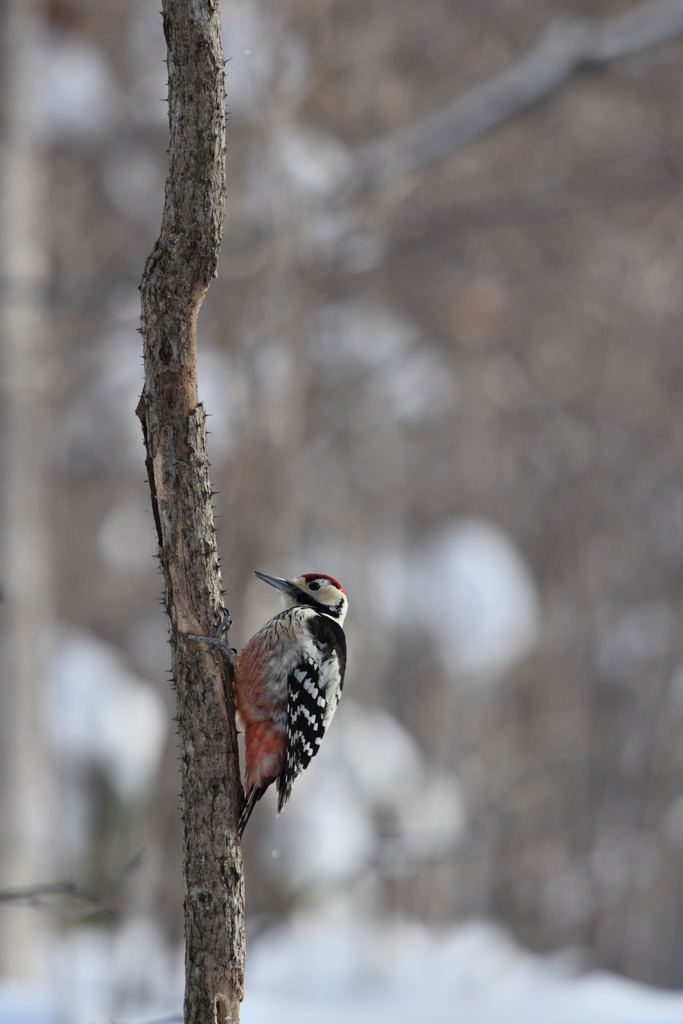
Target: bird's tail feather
[[250, 801], [284, 789]]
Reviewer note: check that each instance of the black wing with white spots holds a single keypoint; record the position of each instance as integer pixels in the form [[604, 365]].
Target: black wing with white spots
[[330, 640], [314, 690]]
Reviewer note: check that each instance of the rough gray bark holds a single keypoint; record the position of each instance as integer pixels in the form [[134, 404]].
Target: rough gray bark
[[176, 277], [24, 550]]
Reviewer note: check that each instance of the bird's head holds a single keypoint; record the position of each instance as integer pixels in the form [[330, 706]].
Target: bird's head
[[324, 593]]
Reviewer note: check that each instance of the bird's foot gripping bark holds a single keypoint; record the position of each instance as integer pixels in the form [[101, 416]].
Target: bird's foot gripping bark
[[217, 640]]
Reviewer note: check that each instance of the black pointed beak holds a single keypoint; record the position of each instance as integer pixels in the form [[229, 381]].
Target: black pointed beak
[[277, 582]]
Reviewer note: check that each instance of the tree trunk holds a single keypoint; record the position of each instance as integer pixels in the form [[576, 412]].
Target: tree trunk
[[176, 277]]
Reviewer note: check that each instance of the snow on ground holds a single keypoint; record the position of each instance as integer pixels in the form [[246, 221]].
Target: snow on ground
[[474, 973], [333, 968], [601, 999]]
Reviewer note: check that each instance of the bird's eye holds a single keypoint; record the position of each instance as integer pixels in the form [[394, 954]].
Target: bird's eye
[[314, 586]]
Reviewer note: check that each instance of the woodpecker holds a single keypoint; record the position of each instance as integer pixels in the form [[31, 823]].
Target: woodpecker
[[288, 683]]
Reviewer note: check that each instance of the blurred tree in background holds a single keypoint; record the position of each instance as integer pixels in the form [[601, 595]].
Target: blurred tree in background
[[25, 568], [458, 389]]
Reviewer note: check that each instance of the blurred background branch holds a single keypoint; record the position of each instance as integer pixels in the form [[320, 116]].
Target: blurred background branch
[[42, 895], [569, 46]]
